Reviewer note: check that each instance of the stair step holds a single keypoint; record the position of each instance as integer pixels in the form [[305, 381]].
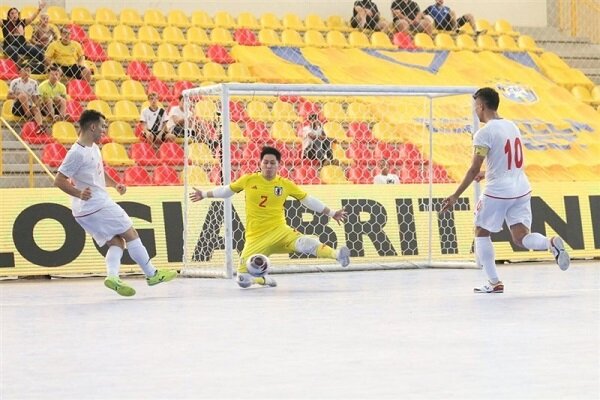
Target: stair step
[[20, 180]]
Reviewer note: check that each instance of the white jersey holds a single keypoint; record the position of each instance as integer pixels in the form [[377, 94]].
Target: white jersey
[[386, 179], [83, 165], [175, 111], [153, 120], [30, 87], [505, 170]]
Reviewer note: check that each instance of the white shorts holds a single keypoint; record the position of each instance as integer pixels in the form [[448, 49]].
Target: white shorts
[[491, 212], [106, 223]]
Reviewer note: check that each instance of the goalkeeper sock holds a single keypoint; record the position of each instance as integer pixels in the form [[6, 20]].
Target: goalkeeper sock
[[324, 251]]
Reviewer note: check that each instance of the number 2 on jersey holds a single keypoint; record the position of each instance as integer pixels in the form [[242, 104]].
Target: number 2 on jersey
[[263, 200], [518, 153]]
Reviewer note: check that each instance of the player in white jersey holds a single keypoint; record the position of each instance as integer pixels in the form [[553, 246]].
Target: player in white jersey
[[507, 195], [82, 176]]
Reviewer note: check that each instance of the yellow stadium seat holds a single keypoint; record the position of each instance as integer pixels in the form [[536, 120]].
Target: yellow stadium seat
[[247, 20], [333, 175], [270, 21], [315, 22], [28, 32], [503, 27], [178, 18], [200, 153], [337, 39], [149, 34], [386, 132], [507, 43], [360, 112], [466, 42], [269, 37], [335, 22], [359, 39], [101, 106], [284, 111], [223, 19], [214, 72], [424, 41], [582, 94], [208, 83], [206, 110], [189, 71], [258, 111], [334, 112], [114, 154], [130, 17], [126, 110], [143, 52], [334, 130], [196, 175], [282, 131], [64, 132], [58, 15], [7, 111], [443, 41], [466, 29], [486, 42], [154, 17], [3, 90], [27, 12], [121, 132], [221, 36], [202, 20], [164, 71], [596, 94], [194, 53], [339, 154], [112, 70], [106, 16], [173, 35], [168, 52], [291, 38], [314, 39], [527, 43], [118, 51], [293, 21], [124, 34], [81, 16], [238, 72], [99, 33], [484, 25], [106, 90], [235, 133], [197, 35], [381, 41]]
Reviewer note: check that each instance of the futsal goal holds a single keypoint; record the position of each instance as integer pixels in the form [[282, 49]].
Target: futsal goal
[[420, 134]]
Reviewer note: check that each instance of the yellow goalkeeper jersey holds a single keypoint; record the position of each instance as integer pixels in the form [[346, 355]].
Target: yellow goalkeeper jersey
[[265, 201]]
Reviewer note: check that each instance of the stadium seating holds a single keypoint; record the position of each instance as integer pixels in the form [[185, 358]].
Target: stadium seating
[[202, 20], [380, 40], [123, 33], [121, 132], [53, 154], [106, 16], [165, 175], [118, 51], [403, 40], [126, 110], [358, 39], [335, 22], [106, 90], [139, 71], [114, 154], [155, 18], [223, 19], [444, 41], [131, 17], [178, 19], [137, 176], [424, 41], [81, 16], [270, 21], [173, 35], [74, 110], [196, 176], [198, 36], [80, 90], [269, 37], [8, 70], [168, 52], [102, 107], [245, 37], [64, 132], [171, 154], [291, 38], [466, 42], [333, 174], [3, 90], [336, 39], [77, 33], [112, 70], [30, 133]]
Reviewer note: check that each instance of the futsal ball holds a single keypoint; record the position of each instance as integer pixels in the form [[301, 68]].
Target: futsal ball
[[258, 265]]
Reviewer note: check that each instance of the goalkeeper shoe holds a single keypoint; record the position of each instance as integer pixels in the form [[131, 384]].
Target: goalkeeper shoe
[[161, 275], [343, 256], [490, 288], [557, 247], [116, 284], [265, 281]]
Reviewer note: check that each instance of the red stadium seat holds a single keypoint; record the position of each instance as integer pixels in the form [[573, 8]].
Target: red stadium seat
[[250, 166], [360, 154], [180, 86], [137, 176], [80, 90], [306, 175], [114, 174], [237, 154], [257, 131], [360, 175], [8, 69], [30, 134], [245, 37], [410, 153], [360, 132], [171, 154], [306, 108], [139, 71], [410, 174], [94, 51], [53, 154], [219, 54], [165, 175], [237, 111], [162, 89], [74, 110], [404, 41], [291, 155], [77, 33], [143, 154]]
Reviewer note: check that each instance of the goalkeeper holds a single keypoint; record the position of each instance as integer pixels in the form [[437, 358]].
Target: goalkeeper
[[266, 230]]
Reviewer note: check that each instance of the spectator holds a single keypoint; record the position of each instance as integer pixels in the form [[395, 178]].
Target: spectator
[[24, 91], [408, 18], [315, 143], [365, 15], [153, 118], [15, 45], [53, 95], [445, 19], [43, 33], [68, 55], [384, 176], [176, 121]]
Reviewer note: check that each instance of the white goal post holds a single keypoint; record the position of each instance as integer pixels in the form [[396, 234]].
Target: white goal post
[[420, 134]]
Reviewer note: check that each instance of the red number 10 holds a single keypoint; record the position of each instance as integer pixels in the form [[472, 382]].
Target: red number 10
[[508, 150]]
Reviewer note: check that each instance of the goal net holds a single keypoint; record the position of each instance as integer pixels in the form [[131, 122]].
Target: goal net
[[336, 141]]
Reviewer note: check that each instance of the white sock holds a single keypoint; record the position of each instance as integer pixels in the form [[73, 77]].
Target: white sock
[[536, 241], [484, 251], [138, 252], [113, 260]]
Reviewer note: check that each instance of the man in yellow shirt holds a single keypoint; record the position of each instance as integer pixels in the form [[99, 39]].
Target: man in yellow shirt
[[54, 95], [68, 55], [266, 230]]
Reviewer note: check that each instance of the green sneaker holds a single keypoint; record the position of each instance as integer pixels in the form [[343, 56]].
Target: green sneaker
[[162, 275], [116, 284]]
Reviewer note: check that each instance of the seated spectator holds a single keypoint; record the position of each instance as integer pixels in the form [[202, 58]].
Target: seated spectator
[[153, 118], [384, 176], [24, 91], [176, 121], [68, 54], [43, 33], [15, 45], [53, 95], [365, 15], [315, 143], [408, 17], [445, 19]]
